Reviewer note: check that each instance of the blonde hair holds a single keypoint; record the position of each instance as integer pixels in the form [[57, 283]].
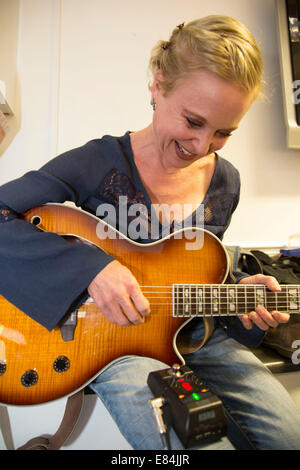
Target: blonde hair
[[219, 44]]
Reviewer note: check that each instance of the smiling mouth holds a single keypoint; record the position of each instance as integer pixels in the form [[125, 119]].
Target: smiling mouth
[[183, 151]]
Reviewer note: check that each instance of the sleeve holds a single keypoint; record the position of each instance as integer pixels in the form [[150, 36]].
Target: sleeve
[[251, 338], [41, 273]]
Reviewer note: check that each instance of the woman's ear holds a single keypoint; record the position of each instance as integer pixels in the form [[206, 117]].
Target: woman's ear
[[156, 87], [159, 76]]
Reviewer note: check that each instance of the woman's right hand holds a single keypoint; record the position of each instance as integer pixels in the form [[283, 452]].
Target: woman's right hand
[[118, 295]]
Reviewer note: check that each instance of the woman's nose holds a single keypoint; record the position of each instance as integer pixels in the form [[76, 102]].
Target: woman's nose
[[203, 143]]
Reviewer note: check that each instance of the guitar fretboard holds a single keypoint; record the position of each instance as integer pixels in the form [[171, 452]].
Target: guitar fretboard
[[225, 300]]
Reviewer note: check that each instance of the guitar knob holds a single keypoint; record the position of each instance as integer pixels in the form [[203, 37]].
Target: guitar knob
[[61, 364], [29, 378], [2, 367]]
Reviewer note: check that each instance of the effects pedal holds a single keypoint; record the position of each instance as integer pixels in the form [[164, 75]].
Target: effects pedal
[[195, 413]]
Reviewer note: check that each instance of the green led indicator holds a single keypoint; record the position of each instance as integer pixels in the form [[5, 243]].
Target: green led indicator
[[195, 396]]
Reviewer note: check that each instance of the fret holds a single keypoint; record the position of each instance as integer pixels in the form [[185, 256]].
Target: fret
[[298, 298], [251, 299], [215, 300], [193, 300], [271, 301], [276, 301], [176, 300], [178, 312], [187, 300], [181, 300], [223, 300], [287, 296], [260, 296], [241, 299], [200, 299], [208, 300], [231, 300], [293, 303]]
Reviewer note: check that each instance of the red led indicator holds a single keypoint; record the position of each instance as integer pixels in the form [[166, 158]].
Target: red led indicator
[[187, 386]]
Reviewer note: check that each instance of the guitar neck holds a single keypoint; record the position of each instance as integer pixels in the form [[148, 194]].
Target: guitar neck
[[223, 300]]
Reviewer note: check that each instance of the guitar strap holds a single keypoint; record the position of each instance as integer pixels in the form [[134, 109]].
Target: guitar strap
[[187, 345], [68, 423]]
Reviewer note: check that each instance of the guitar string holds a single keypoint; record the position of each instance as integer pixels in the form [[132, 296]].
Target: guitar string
[[210, 305], [206, 302], [240, 306], [225, 288], [200, 315], [282, 296], [209, 301], [276, 300], [190, 304], [279, 299]]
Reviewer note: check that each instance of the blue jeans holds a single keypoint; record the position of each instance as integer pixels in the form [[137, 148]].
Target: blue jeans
[[261, 413]]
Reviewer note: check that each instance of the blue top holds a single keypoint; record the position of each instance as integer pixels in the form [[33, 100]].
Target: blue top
[[47, 277]]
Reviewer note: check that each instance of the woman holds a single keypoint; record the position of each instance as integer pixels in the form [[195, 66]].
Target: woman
[[205, 79]]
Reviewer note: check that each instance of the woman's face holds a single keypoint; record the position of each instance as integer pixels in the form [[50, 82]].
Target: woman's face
[[196, 118]]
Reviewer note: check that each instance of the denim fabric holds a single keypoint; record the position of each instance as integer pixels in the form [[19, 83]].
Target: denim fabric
[[123, 389], [261, 413]]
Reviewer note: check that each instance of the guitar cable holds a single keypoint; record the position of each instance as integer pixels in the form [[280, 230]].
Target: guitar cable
[[156, 405]]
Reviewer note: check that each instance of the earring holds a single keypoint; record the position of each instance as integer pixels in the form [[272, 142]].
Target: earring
[[153, 104]]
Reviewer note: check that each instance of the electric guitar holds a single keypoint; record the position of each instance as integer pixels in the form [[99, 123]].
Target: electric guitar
[[182, 280]]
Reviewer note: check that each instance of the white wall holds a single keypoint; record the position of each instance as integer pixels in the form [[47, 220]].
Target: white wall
[[36, 95], [81, 72]]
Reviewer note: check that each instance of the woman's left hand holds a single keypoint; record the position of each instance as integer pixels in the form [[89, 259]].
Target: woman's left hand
[[261, 317]]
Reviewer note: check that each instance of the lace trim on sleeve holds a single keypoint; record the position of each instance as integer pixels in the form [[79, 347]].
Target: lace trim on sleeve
[[118, 184]]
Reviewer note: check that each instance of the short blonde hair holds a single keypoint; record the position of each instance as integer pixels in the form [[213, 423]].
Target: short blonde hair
[[219, 44]]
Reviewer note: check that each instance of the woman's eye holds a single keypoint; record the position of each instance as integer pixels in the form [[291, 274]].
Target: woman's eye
[[197, 124], [224, 134], [194, 123]]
